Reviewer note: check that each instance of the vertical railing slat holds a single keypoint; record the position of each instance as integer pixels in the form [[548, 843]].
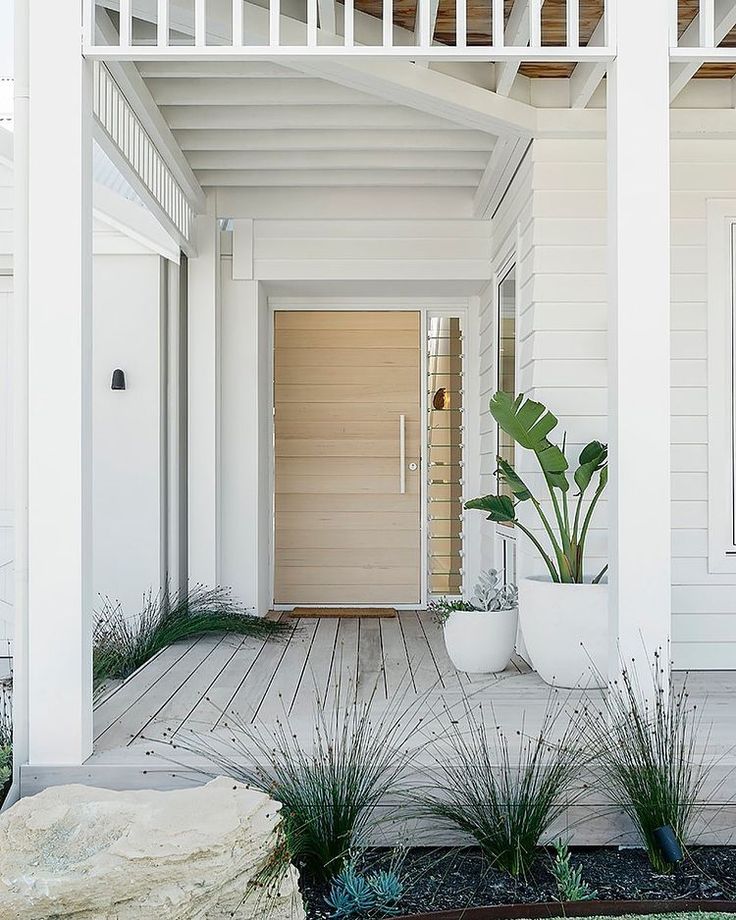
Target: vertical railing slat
[[274, 19], [89, 22], [461, 23], [498, 24], [311, 23], [388, 23], [423, 23], [707, 20], [125, 24], [573, 23], [237, 23], [162, 24], [535, 23], [349, 29], [200, 23], [674, 23]]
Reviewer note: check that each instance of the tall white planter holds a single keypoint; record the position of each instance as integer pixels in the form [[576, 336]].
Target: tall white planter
[[479, 641], [565, 630]]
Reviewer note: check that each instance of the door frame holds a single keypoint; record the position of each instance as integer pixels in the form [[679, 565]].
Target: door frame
[[424, 306]]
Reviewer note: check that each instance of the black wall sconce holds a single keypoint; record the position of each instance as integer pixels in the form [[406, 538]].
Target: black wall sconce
[[118, 380]]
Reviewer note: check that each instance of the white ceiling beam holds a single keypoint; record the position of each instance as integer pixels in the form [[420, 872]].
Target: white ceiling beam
[[428, 91], [587, 75], [681, 72], [196, 68], [134, 89], [337, 159], [133, 221], [334, 139], [517, 35], [498, 174], [353, 178]]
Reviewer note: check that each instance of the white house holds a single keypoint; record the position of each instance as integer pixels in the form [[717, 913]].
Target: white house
[[547, 185]]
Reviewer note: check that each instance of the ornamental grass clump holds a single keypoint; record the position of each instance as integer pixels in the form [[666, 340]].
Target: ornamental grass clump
[[328, 783], [506, 796], [644, 743], [122, 644]]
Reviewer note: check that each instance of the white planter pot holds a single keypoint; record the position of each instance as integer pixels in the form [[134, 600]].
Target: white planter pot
[[565, 630], [481, 642]]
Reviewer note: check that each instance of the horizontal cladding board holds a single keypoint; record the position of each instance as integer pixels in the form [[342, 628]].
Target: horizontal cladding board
[[306, 358], [289, 429], [345, 338], [358, 412], [367, 484], [704, 656], [374, 270], [575, 176], [313, 447], [342, 320], [287, 520], [331, 538], [391, 378], [699, 599], [444, 178], [349, 557], [296, 116], [349, 393], [291, 502], [336, 159], [373, 229], [333, 139], [341, 575], [366, 594], [694, 571], [356, 248]]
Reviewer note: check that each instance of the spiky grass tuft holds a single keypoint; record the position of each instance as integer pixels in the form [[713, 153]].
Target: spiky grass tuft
[[644, 744], [122, 644], [329, 787], [506, 796]]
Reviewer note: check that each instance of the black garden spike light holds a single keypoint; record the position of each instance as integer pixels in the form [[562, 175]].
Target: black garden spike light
[[669, 845]]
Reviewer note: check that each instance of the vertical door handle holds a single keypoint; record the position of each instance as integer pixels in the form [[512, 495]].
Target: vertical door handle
[[402, 454]]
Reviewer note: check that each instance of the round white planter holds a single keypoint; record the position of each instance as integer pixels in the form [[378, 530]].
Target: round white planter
[[565, 630], [479, 641]]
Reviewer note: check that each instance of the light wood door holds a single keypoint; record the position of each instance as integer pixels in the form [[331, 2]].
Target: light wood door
[[346, 533]]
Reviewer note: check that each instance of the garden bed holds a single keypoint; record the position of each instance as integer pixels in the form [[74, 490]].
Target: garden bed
[[458, 880]]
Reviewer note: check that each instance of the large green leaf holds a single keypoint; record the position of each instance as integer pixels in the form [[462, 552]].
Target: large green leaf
[[593, 457], [528, 423], [500, 508], [512, 479]]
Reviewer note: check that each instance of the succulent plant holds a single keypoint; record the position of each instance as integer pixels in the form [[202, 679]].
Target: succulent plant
[[353, 895], [490, 594]]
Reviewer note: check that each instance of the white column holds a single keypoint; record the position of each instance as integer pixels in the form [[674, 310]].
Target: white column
[[203, 389], [59, 303], [639, 328]]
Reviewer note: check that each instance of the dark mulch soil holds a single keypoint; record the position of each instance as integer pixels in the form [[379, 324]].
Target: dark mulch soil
[[446, 879]]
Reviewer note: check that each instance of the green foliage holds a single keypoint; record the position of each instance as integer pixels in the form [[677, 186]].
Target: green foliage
[[122, 644], [505, 796], [329, 790], [529, 423], [569, 880], [488, 595], [644, 743], [354, 895]]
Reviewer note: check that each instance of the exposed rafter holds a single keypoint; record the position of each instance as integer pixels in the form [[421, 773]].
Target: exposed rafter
[[517, 33], [681, 72], [502, 165], [587, 75], [434, 6]]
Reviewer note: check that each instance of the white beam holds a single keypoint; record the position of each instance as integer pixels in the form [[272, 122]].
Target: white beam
[[639, 335], [432, 8], [59, 305], [356, 140], [231, 91], [681, 72], [306, 160], [500, 170], [517, 35], [349, 178], [587, 75]]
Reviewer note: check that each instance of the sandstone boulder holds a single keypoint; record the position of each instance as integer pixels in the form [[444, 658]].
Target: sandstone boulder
[[203, 853]]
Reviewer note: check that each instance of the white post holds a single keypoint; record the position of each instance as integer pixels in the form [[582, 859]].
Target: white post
[[58, 300], [638, 331], [203, 389]]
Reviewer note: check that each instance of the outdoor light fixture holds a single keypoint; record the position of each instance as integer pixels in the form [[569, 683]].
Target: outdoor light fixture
[[669, 845], [118, 380]]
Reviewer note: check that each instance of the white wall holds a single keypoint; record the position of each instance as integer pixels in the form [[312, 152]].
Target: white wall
[[127, 428], [6, 457]]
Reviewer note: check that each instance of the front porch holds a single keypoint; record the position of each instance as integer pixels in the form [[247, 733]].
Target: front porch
[[191, 687]]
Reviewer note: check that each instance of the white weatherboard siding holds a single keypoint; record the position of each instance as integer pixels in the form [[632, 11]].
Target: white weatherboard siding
[[558, 204], [127, 428]]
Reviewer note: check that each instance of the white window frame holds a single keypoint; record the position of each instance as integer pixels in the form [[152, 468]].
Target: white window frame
[[721, 318]]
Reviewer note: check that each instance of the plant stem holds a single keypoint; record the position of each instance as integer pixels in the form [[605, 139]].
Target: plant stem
[[540, 549], [588, 516]]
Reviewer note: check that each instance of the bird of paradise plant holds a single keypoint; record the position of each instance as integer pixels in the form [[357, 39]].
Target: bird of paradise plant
[[529, 423]]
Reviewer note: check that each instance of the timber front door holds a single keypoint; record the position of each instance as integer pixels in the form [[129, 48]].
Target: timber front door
[[347, 457]]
